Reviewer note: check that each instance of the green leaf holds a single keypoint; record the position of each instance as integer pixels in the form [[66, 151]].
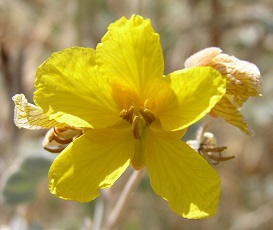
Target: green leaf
[[21, 184]]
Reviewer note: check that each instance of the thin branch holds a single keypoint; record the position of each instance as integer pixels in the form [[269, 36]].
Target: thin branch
[[122, 201], [99, 211]]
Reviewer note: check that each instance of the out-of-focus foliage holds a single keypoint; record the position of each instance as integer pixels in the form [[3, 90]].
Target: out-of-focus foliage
[[31, 30], [21, 184]]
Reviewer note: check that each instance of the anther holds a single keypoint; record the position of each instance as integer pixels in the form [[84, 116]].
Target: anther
[[217, 159], [147, 115], [57, 139], [61, 140], [135, 128], [54, 150], [205, 145], [127, 114]]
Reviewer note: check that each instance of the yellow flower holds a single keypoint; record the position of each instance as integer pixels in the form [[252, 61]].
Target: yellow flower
[[129, 114], [243, 80]]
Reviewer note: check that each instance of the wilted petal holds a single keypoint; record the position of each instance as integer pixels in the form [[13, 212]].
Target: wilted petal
[[202, 57], [230, 113], [29, 116], [243, 78]]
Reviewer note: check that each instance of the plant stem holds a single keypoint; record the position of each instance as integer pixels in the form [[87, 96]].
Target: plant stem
[[122, 201], [99, 211]]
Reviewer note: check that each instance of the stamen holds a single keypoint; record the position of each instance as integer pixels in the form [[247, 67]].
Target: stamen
[[55, 150], [75, 137], [219, 159], [57, 139], [215, 159], [127, 114], [147, 115], [62, 141], [48, 137], [59, 135], [206, 146], [58, 131], [135, 128]]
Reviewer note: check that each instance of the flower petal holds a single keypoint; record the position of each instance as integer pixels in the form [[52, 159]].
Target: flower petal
[[69, 88], [202, 57], [196, 91], [181, 176], [131, 52], [29, 116], [230, 113], [93, 161], [243, 78]]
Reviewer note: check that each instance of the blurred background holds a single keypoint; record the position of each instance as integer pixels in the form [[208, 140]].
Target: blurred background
[[30, 30]]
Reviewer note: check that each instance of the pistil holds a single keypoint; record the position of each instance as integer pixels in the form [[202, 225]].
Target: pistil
[[135, 127]]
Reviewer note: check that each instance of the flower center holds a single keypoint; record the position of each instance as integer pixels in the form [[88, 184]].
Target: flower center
[[138, 118]]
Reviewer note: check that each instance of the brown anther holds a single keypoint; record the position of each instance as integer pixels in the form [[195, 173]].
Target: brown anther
[[61, 140], [75, 137], [147, 115], [216, 149], [49, 137], [219, 159], [135, 128], [127, 114], [58, 131], [215, 159], [57, 139], [55, 150], [205, 145]]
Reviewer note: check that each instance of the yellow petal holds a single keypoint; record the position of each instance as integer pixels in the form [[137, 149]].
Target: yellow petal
[[93, 161], [196, 91], [138, 159], [181, 176], [29, 116], [131, 52], [69, 88], [230, 113]]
